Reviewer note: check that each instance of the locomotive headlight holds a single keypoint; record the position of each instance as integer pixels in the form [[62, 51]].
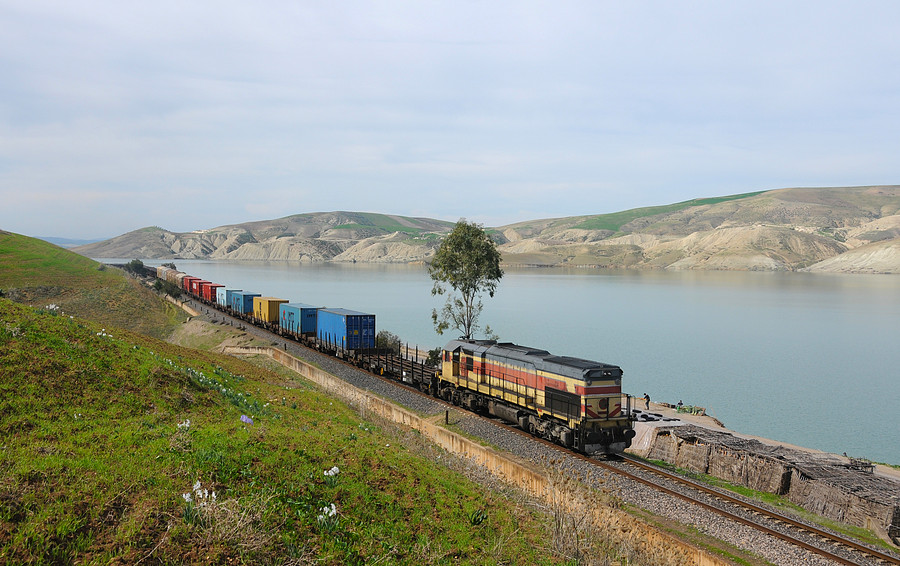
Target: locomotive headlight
[[603, 404]]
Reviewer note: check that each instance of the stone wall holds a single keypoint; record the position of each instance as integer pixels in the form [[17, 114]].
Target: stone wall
[[820, 483], [849, 496]]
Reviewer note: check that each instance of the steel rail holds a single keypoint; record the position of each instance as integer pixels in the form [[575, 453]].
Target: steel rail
[[760, 510], [830, 537]]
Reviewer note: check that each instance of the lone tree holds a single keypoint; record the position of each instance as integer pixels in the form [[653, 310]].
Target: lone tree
[[467, 262]]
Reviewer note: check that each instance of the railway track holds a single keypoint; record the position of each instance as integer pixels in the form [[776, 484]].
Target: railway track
[[829, 545], [753, 515], [756, 511]]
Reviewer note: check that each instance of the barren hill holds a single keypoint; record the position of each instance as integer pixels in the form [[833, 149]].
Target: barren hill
[[301, 237], [842, 229]]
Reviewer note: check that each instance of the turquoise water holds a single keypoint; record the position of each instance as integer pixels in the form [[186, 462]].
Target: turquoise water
[[807, 359]]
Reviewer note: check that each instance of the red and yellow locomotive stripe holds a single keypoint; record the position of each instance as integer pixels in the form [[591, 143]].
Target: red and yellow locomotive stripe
[[594, 400]]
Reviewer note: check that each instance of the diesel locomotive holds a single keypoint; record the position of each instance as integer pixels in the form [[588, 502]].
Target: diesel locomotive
[[572, 401]]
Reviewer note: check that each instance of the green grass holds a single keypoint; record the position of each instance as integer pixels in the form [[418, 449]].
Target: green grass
[[384, 223], [33, 261], [38, 273], [385, 229], [616, 220], [97, 455]]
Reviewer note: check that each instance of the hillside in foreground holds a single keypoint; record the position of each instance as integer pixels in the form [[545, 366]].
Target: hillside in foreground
[[843, 229], [121, 448], [118, 448]]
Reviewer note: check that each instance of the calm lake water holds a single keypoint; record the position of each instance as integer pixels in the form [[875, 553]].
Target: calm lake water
[[808, 359]]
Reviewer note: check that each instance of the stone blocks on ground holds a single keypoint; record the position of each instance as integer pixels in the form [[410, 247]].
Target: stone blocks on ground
[[821, 483]]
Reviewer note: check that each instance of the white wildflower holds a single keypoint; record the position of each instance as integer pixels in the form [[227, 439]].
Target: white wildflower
[[327, 513]]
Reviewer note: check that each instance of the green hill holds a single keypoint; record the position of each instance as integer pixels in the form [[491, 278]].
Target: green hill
[[38, 273], [615, 221], [107, 434], [116, 447]]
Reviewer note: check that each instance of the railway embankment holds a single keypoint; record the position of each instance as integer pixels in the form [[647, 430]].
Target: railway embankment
[[654, 544], [843, 489], [822, 483]]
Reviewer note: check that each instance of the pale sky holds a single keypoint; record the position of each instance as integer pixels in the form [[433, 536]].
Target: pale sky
[[189, 115]]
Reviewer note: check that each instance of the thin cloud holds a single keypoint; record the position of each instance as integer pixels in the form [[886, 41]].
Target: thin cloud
[[202, 114]]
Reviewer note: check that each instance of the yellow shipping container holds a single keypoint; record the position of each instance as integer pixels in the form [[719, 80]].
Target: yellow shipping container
[[266, 308]]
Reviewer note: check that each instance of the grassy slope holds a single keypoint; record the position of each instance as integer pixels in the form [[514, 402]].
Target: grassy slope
[[35, 272], [95, 454], [94, 464], [616, 220], [385, 224]]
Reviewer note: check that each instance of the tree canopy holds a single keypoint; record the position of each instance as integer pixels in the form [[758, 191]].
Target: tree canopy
[[467, 262]]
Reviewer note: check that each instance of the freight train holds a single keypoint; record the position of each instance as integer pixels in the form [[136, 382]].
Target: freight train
[[573, 402]]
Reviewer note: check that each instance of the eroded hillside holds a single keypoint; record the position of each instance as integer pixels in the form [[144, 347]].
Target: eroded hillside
[[843, 229]]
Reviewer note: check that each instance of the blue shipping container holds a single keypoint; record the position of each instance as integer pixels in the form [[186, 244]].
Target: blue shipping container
[[243, 302], [347, 329], [222, 296], [229, 297], [297, 317]]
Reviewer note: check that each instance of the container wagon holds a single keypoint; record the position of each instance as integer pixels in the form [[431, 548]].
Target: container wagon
[[229, 297], [195, 287], [345, 329], [242, 302], [187, 281], [222, 296], [266, 308], [210, 291], [298, 318]]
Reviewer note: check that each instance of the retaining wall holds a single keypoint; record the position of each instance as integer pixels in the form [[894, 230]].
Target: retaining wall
[[820, 483], [656, 546]]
